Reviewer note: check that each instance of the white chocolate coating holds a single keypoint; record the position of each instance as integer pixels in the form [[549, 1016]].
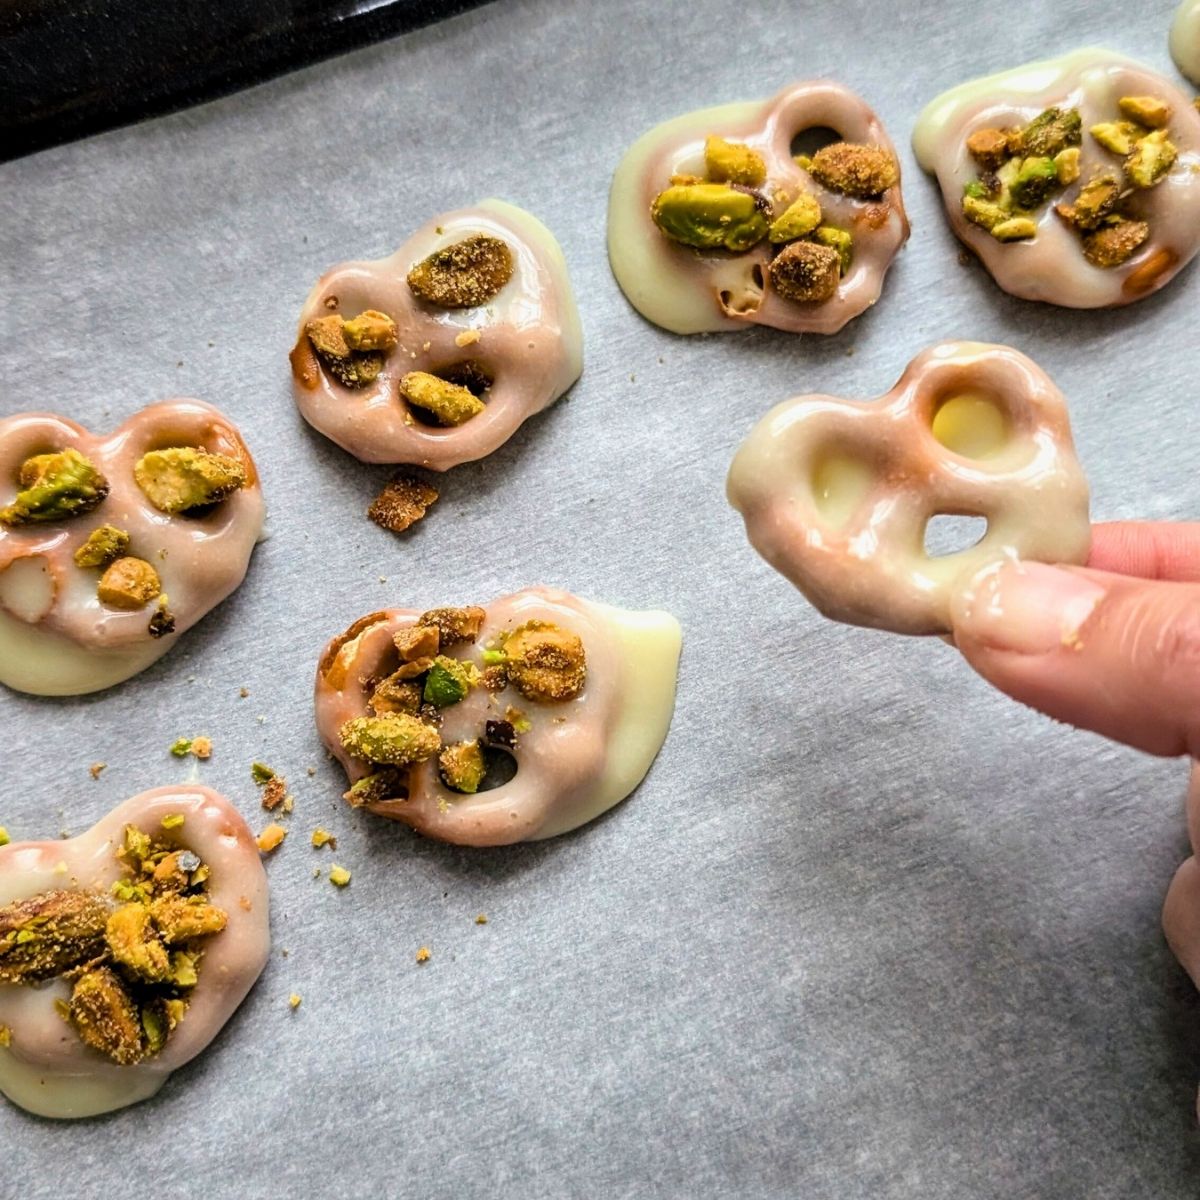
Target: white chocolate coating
[[56, 638], [696, 291], [1185, 39], [47, 1069], [1051, 266], [530, 340], [580, 757], [836, 494]]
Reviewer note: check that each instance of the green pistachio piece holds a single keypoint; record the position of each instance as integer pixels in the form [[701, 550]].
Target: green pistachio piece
[[1151, 159], [55, 487], [710, 216], [450, 403], [181, 478], [1117, 136], [1037, 178], [1052, 131], [1066, 165], [1015, 229], [388, 784], [448, 681], [104, 546], [983, 212], [733, 162], [798, 220], [462, 766], [839, 240], [398, 739], [1146, 110], [1096, 200]]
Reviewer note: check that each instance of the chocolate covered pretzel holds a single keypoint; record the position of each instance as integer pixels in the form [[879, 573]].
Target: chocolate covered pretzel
[[714, 224], [1076, 180], [437, 354], [1185, 39], [837, 494], [124, 951], [430, 713], [111, 546]]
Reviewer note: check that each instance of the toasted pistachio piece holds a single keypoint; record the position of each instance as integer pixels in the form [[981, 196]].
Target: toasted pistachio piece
[[51, 934], [395, 695], [547, 663], [174, 872], [350, 366], [989, 147], [1066, 165], [370, 330], [183, 918], [854, 170], [155, 1026], [450, 403], [1117, 136], [55, 487], [403, 502], [1037, 178], [1114, 243], [454, 625], [339, 876], [395, 739], [464, 275], [129, 584], [183, 969], [1096, 200], [1051, 131], [134, 944], [983, 212], [1151, 159], [804, 271], [710, 216], [181, 478], [1146, 110], [328, 336], [418, 641], [733, 162], [105, 1016], [839, 240], [462, 766], [103, 546], [387, 784], [798, 220], [449, 680], [1015, 229]]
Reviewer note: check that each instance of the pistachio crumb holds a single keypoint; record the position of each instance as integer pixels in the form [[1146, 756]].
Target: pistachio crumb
[[271, 838], [129, 584], [55, 487], [450, 403], [403, 502], [95, 769], [295, 1000], [481, 919], [322, 837], [339, 876], [103, 546], [424, 954], [464, 275], [261, 773], [274, 793], [5, 1037], [468, 337], [173, 821], [4, 838]]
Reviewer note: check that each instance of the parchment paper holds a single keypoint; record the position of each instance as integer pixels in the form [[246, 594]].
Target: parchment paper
[[868, 930]]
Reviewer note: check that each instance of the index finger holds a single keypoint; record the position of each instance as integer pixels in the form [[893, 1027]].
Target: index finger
[[1148, 549]]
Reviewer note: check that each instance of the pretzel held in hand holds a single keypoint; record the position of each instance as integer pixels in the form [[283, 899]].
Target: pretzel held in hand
[[836, 494]]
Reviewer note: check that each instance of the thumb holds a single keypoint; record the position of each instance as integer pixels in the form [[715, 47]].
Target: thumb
[[1117, 655]]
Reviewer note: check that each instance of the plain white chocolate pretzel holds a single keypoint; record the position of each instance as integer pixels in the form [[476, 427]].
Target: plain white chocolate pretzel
[[56, 638], [1051, 266], [529, 341], [579, 757], [46, 1068], [694, 291], [1185, 39], [836, 494]]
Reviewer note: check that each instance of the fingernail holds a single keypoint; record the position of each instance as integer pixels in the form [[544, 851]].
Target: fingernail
[[1025, 608]]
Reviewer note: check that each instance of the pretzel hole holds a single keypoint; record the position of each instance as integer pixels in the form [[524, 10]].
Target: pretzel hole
[[499, 768], [971, 425], [27, 588], [746, 296], [807, 142], [947, 534], [839, 486]]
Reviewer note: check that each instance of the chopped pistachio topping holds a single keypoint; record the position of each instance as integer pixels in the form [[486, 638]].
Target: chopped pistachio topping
[[424, 954], [4, 838], [454, 625], [54, 487], [1096, 200], [798, 220], [394, 695], [710, 216], [1151, 159], [1037, 178], [464, 275], [395, 739], [1114, 242], [50, 934], [1066, 165], [129, 584], [1015, 229], [854, 170], [182, 478], [402, 503], [173, 821], [1146, 110], [1051, 131], [805, 272], [733, 162], [339, 876], [103, 546], [983, 213], [294, 1001], [322, 837], [450, 403], [448, 681], [462, 766], [271, 838], [261, 773], [839, 240], [350, 367], [181, 747], [387, 784], [547, 663], [990, 147], [105, 1016], [135, 945], [370, 330], [1117, 136]]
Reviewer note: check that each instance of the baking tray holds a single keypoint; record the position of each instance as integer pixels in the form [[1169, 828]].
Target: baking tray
[[868, 929]]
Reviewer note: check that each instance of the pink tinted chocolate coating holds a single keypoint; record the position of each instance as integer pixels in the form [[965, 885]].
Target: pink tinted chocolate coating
[[879, 226], [559, 760], [200, 559], [232, 961], [528, 344], [1051, 266], [872, 569]]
